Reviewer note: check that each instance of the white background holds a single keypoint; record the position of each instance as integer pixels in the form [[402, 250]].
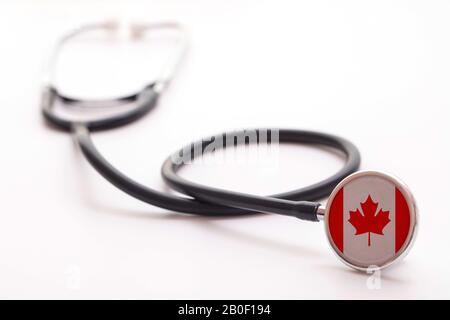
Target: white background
[[376, 72]]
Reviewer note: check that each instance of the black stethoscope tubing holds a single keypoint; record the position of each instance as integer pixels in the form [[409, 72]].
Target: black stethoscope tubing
[[202, 200]]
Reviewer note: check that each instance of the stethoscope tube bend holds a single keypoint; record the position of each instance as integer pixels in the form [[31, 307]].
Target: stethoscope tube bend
[[216, 202]]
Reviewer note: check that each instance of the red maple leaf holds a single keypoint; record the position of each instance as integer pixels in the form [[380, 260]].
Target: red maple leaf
[[371, 221]]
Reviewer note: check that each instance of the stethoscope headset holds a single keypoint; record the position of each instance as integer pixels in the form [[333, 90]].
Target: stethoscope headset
[[370, 218]]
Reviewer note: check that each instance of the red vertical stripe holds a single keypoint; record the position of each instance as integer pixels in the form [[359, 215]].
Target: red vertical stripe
[[402, 220], [336, 220]]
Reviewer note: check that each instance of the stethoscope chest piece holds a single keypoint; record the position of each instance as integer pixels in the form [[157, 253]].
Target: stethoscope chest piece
[[371, 220]]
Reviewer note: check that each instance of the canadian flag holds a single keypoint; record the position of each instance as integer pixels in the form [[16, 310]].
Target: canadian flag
[[369, 220]]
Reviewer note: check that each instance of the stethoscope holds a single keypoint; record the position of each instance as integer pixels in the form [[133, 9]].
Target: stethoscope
[[370, 217]]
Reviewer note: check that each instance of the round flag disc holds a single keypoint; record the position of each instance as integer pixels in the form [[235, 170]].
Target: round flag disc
[[370, 220]]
